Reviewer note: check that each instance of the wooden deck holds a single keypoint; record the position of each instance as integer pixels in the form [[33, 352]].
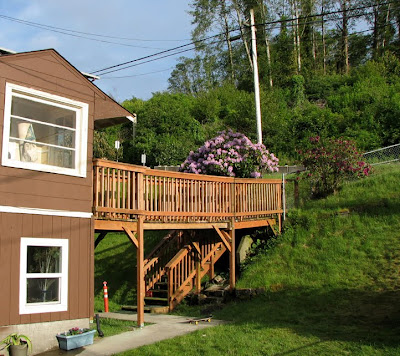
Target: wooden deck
[[122, 192], [133, 199]]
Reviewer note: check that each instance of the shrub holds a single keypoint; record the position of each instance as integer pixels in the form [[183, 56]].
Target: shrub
[[329, 162], [230, 154]]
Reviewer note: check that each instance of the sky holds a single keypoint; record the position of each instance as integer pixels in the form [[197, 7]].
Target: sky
[[139, 28]]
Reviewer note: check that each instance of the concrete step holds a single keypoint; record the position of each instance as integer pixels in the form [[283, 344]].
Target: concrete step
[[153, 309]]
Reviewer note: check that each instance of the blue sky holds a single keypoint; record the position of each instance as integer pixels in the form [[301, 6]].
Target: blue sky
[[166, 23]]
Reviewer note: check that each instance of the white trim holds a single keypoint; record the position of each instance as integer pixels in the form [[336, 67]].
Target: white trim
[[37, 211], [35, 308], [81, 130]]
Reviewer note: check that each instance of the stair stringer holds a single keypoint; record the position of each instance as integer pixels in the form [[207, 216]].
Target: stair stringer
[[176, 296]]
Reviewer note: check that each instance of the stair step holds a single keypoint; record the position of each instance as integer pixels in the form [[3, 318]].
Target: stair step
[[161, 285], [153, 309], [162, 293], [156, 301]]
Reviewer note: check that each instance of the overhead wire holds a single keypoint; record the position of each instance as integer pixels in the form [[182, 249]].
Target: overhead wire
[[124, 65], [77, 34]]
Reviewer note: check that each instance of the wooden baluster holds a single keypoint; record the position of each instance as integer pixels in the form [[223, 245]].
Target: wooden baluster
[[128, 189], [123, 189]]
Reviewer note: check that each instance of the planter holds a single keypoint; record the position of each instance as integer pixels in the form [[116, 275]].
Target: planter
[[18, 350], [74, 341]]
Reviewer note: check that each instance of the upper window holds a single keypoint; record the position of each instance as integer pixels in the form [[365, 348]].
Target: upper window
[[44, 132], [43, 275]]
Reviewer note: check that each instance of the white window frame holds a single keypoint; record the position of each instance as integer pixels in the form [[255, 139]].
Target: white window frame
[[81, 138], [49, 307]]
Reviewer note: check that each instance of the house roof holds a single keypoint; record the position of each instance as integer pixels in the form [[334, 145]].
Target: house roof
[[107, 112]]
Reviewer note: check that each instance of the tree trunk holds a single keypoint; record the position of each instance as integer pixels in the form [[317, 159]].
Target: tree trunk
[[345, 37], [228, 40], [386, 26], [323, 39], [242, 34], [267, 46], [296, 35]]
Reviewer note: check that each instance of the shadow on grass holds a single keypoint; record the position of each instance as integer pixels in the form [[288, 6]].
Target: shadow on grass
[[366, 317]]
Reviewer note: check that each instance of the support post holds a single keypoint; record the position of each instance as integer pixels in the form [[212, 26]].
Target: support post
[[198, 276], [100, 238], [140, 272], [211, 272], [232, 258]]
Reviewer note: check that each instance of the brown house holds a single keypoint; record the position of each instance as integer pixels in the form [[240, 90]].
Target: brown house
[[48, 111], [53, 197]]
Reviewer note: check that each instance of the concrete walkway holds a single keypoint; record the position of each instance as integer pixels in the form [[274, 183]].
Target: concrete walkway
[[163, 327]]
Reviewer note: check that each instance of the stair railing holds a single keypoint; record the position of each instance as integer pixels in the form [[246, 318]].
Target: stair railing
[[154, 264], [182, 270]]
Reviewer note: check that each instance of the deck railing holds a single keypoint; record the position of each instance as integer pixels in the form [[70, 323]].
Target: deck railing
[[123, 191]]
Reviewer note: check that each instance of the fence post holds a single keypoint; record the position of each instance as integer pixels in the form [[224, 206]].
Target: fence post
[[284, 196]]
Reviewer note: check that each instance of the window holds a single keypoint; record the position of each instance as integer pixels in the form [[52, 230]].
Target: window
[[43, 275], [44, 132]]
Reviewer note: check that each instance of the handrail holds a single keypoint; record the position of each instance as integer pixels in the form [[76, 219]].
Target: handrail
[[154, 264], [123, 191]]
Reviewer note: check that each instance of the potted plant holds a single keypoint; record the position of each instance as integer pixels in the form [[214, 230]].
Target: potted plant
[[74, 338], [17, 344]]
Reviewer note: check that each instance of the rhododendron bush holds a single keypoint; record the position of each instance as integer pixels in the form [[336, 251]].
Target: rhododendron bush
[[231, 154], [329, 162]]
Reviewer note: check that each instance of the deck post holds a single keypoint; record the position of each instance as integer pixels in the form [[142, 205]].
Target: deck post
[[140, 272], [198, 276], [211, 272], [232, 257]]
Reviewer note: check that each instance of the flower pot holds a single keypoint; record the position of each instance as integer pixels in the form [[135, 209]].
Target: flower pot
[[69, 342], [18, 350]]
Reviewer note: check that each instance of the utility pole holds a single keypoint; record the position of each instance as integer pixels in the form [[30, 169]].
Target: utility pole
[[255, 74]]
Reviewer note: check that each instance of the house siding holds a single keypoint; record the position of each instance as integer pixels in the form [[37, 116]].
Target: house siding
[[80, 234], [47, 72]]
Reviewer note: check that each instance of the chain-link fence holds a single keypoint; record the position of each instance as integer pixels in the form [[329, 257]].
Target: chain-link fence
[[383, 155]]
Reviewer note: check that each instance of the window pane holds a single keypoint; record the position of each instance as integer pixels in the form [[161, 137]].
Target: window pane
[[41, 290], [41, 133], [43, 259], [43, 112]]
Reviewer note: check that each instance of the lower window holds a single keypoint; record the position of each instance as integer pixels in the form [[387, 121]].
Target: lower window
[[43, 275]]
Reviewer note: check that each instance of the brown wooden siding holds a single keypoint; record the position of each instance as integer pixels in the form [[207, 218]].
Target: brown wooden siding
[[81, 242], [46, 71]]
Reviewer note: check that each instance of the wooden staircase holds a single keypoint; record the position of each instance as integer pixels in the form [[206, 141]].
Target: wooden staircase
[[177, 264]]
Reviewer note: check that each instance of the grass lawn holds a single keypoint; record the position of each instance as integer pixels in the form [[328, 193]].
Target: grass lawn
[[332, 281], [112, 327]]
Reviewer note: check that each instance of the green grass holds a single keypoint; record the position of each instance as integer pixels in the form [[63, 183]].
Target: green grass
[[115, 263], [332, 282], [112, 327]]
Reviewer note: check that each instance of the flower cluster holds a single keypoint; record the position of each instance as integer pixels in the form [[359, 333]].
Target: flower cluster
[[75, 331], [329, 162], [230, 154]]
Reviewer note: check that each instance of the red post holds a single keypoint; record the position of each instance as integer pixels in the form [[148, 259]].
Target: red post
[[105, 297]]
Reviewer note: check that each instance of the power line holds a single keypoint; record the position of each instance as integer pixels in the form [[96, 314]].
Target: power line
[[153, 59], [88, 33], [138, 75], [194, 43], [156, 54], [76, 34]]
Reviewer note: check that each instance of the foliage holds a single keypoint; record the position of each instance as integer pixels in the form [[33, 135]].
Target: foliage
[[329, 162], [75, 331], [102, 147], [166, 130], [230, 154], [16, 339]]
